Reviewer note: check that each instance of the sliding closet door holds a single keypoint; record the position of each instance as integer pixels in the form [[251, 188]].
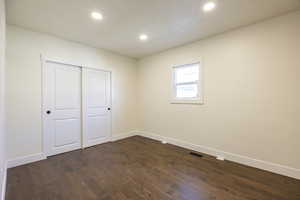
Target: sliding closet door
[[62, 108], [96, 85]]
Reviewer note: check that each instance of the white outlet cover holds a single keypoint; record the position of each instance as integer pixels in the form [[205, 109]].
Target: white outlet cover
[[220, 158]]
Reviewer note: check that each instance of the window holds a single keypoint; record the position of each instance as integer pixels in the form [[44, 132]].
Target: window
[[187, 84]]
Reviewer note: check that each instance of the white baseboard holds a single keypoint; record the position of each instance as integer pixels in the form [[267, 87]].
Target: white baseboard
[[40, 156], [264, 165], [260, 164], [25, 160], [123, 136], [3, 179]]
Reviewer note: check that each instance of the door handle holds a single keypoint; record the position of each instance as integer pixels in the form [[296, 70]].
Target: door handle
[[48, 112]]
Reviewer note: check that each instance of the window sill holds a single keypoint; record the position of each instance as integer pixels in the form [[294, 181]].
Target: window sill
[[197, 102]]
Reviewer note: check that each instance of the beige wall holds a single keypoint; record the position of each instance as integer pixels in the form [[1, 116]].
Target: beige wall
[[24, 85], [2, 83], [251, 92]]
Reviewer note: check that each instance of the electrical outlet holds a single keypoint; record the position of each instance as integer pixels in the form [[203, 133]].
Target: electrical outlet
[[220, 158]]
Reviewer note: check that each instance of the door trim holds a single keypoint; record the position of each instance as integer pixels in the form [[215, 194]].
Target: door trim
[[44, 60]]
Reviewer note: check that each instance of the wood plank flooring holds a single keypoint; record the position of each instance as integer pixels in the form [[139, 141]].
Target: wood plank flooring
[[140, 168]]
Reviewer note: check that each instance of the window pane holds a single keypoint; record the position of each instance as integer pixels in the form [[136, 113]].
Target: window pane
[[188, 73], [187, 91]]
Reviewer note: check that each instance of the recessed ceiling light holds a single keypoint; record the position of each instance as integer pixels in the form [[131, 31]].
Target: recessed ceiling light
[[209, 6], [97, 16], [143, 37]]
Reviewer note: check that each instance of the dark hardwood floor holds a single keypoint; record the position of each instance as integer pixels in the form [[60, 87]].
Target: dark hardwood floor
[[140, 168]]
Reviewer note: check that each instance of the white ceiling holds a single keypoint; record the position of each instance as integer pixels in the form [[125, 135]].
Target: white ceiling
[[168, 23]]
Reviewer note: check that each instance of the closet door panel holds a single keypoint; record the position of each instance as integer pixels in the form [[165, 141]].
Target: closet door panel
[[96, 107], [62, 108]]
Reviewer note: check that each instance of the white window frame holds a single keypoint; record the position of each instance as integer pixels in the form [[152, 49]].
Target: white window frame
[[193, 100]]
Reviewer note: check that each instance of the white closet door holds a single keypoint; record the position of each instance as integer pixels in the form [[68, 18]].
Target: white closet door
[[96, 106], [62, 108]]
